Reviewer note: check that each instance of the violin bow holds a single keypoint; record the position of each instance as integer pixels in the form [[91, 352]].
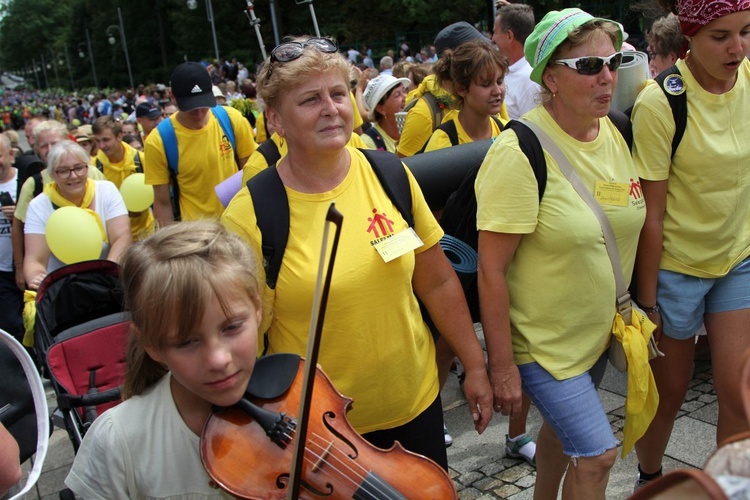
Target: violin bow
[[320, 300]]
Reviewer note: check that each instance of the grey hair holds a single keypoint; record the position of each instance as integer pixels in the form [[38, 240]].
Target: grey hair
[[64, 148], [50, 126], [6, 141]]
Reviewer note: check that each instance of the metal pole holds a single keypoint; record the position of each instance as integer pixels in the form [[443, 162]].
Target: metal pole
[[70, 71], [44, 70], [210, 12], [274, 22], [91, 58], [314, 19], [255, 22], [36, 74], [125, 47], [54, 67]]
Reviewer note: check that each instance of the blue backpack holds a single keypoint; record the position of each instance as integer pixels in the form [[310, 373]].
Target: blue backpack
[[169, 139]]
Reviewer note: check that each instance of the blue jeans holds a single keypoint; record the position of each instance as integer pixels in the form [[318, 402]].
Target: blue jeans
[[572, 408]]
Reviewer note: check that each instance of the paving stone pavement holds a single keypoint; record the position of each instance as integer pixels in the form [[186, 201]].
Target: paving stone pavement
[[477, 463]]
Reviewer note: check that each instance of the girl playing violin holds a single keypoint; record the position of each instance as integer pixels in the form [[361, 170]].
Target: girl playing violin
[[192, 290]]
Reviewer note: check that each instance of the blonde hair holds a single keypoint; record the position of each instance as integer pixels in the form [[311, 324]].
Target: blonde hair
[[275, 78], [50, 126], [169, 278]]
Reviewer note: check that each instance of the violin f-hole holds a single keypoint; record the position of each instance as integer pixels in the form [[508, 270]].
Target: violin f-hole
[[331, 415]]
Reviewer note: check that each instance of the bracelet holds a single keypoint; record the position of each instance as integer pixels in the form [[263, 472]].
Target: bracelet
[[650, 310]]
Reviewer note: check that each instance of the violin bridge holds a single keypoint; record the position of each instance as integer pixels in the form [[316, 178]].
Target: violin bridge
[[323, 457]]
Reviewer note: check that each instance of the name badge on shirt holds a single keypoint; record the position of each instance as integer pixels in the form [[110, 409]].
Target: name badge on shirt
[[398, 244], [612, 193]]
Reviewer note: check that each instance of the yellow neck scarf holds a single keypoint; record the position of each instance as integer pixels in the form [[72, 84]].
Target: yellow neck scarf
[[52, 190]]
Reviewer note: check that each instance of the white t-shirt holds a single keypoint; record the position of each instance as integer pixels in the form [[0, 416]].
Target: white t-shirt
[[6, 246], [108, 204], [521, 92], [141, 449]]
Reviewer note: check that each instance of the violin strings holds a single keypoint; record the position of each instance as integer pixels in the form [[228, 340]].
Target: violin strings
[[345, 463]]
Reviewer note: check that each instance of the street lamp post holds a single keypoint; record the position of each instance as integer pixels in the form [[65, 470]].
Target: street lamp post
[[113, 40], [54, 68], [70, 71], [91, 58], [36, 72], [192, 5]]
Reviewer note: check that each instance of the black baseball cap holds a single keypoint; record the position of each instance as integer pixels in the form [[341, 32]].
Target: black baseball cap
[[191, 87], [147, 110], [456, 34]]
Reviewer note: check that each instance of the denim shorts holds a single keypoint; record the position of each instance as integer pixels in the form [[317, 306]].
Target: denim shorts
[[572, 408], [685, 299]]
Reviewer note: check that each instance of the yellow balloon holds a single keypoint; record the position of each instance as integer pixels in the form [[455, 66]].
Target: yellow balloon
[[73, 235], [138, 195]]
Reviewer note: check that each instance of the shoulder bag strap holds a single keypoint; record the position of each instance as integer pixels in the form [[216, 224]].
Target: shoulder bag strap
[[623, 296]]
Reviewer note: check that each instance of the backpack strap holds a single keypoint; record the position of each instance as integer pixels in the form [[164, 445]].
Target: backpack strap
[[671, 83], [437, 111], [622, 122], [270, 151], [376, 138], [272, 213], [531, 147], [99, 165], [38, 184], [392, 176], [137, 162], [221, 115], [169, 140], [498, 122]]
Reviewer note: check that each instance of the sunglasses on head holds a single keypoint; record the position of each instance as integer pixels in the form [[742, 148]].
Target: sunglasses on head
[[289, 51], [592, 65]]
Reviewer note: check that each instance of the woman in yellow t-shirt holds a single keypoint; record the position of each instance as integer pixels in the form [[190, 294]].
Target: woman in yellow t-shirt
[[375, 345], [476, 73], [693, 255], [546, 284]]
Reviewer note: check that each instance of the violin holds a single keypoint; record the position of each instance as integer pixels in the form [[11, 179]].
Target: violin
[[249, 461]]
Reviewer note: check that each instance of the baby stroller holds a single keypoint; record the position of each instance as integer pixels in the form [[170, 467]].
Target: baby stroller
[[81, 333]]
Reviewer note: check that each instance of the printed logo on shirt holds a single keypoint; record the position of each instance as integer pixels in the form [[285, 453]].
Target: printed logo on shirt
[[380, 226], [636, 194], [225, 147]]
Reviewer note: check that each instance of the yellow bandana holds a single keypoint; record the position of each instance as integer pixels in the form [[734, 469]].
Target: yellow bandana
[[52, 190]]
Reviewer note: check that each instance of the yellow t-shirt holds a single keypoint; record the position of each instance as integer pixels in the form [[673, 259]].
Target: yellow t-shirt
[[390, 142], [440, 139], [258, 163], [560, 282], [261, 133], [141, 223], [373, 325], [27, 191], [707, 217], [205, 160]]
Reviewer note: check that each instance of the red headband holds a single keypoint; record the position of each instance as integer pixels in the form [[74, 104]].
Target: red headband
[[694, 14]]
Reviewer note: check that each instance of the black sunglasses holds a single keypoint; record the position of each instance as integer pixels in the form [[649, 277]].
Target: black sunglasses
[[592, 65], [289, 51]]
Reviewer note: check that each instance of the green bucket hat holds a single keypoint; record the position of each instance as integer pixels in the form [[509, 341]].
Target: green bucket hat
[[551, 31]]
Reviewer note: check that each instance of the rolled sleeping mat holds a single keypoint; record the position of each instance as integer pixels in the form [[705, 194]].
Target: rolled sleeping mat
[[440, 172], [462, 257]]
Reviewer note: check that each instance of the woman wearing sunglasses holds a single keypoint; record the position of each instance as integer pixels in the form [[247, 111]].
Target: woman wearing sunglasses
[[375, 346], [693, 265], [546, 286]]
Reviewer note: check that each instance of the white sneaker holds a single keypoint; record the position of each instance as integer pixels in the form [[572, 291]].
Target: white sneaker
[[448, 438]]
